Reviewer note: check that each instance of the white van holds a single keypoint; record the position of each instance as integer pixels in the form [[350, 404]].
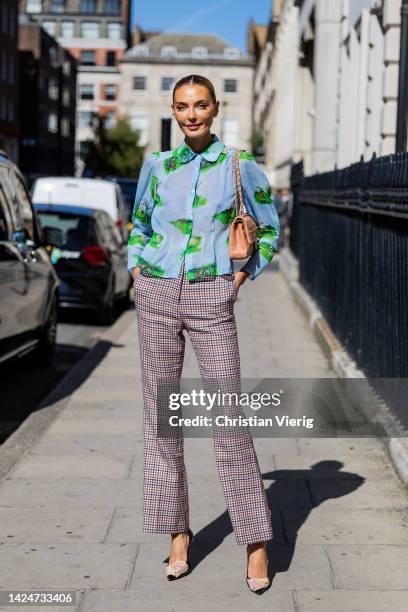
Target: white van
[[87, 192]]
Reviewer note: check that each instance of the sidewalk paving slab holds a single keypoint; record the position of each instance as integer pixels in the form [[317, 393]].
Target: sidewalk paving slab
[[71, 507]]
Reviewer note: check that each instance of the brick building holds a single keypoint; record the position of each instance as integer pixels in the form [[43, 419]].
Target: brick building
[[96, 33], [47, 75]]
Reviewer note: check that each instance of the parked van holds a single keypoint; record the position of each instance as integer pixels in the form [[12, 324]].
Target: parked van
[[87, 192]]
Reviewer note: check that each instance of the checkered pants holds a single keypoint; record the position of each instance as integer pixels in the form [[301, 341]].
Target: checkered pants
[[205, 308]]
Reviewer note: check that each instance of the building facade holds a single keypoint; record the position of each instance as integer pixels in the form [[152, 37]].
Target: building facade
[[47, 74], [149, 71], [9, 130], [326, 83], [96, 33]]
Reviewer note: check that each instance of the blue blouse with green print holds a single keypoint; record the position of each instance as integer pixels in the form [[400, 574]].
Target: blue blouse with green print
[[184, 206]]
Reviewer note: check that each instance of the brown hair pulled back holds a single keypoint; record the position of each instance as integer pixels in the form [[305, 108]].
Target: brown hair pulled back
[[197, 79]]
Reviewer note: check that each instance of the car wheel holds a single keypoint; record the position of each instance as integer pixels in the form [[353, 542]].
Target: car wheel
[[45, 351]]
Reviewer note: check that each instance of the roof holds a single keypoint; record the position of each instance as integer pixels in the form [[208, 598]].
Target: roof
[[186, 42], [217, 49], [65, 208]]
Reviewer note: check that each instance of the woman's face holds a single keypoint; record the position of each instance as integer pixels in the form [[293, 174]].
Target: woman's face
[[194, 110]]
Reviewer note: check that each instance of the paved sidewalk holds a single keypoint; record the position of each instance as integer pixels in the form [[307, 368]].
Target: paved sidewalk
[[71, 509]]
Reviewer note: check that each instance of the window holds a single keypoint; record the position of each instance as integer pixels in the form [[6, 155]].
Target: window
[[230, 131], [66, 97], [53, 89], [90, 29], [168, 50], [230, 85], [140, 50], [6, 226], [3, 107], [67, 29], [139, 82], [166, 83], [88, 6], [114, 30], [140, 122], [4, 65], [86, 118], [65, 125], [232, 52], [84, 146], [86, 91], [111, 58], [112, 7], [57, 6], [53, 55], [26, 211], [12, 66], [33, 6], [87, 58], [49, 27], [66, 68], [110, 119], [199, 52], [4, 9], [52, 122], [11, 109], [110, 92]]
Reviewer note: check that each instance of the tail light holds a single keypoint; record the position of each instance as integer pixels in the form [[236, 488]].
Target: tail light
[[95, 255], [119, 223]]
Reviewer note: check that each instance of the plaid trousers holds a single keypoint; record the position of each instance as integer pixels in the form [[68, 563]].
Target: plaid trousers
[[205, 308]]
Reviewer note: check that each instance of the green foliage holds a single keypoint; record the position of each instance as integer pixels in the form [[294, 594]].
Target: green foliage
[[114, 151]]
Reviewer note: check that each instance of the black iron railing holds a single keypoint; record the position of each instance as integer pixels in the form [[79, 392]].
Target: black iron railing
[[349, 231]]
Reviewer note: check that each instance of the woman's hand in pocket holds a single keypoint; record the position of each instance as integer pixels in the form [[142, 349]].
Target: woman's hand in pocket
[[135, 272], [240, 278]]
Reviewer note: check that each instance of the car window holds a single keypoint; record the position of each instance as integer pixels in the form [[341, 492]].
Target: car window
[[76, 229], [111, 232], [24, 204], [6, 225]]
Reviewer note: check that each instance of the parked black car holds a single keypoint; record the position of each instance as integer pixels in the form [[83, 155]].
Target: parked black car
[[28, 282], [91, 259]]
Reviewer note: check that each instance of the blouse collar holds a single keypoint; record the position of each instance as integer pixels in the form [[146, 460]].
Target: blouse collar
[[211, 153]]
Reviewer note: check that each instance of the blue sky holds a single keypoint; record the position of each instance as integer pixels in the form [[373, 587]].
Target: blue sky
[[226, 18]]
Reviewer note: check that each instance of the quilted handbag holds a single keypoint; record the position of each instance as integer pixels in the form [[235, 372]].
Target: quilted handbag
[[244, 229]]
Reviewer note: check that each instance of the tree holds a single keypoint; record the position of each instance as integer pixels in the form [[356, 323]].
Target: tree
[[114, 151]]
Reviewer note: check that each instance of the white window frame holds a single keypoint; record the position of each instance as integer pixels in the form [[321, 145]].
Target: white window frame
[[139, 76], [199, 52], [33, 6], [52, 123], [72, 31], [95, 27], [168, 51], [46, 26], [118, 26], [91, 89]]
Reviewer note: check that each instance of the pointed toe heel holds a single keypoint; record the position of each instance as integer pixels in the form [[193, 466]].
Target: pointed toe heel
[[180, 568], [258, 585]]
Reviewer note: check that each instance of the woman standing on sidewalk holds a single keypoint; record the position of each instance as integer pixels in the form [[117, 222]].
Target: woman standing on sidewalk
[[182, 214]]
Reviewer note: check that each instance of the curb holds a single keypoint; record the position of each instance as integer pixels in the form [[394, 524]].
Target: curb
[[32, 428], [339, 360]]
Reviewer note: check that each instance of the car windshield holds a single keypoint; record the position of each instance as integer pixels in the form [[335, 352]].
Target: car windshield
[[76, 229]]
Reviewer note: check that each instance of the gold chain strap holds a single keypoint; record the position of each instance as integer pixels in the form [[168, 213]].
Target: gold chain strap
[[237, 182]]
